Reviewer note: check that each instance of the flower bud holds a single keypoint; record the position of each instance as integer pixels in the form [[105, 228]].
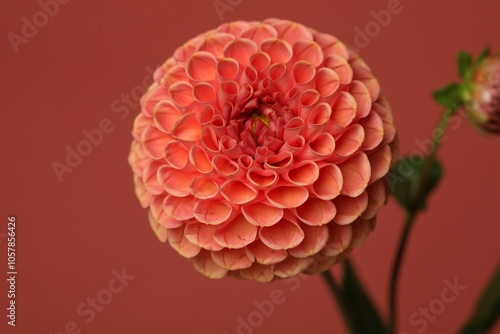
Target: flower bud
[[484, 103]]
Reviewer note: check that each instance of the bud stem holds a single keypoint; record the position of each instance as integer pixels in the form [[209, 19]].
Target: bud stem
[[412, 212]]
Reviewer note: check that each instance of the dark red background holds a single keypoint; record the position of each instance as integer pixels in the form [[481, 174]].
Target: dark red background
[[72, 234]]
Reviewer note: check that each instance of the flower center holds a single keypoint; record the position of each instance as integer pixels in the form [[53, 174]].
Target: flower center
[[257, 123]]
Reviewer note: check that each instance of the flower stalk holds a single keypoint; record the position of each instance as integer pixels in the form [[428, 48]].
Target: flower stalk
[[414, 207]]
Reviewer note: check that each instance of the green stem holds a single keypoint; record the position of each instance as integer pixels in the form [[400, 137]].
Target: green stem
[[437, 139], [339, 296], [439, 132], [410, 217]]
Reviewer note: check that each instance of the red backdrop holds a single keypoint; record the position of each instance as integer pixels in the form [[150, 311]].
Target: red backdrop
[[66, 74]]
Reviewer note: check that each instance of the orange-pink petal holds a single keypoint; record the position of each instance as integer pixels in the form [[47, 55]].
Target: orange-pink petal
[[316, 212], [315, 239], [232, 259], [211, 211], [204, 263], [283, 235], [237, 233], [261, 214]]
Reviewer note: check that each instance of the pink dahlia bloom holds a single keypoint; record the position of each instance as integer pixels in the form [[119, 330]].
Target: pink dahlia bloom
[[261, 150], [484, 106]]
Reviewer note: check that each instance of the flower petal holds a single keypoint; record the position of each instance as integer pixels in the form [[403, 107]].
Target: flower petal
[[181, 244], [380, 161], [181, 93], [149, 176], [202, 235], [159, 215], [315, 239], [344, 110], [261, 178], [291, 31], [174, 181], [377, 197], [364, 75], [154, 142], [187, 128], [374, 131], [279, 163], [227, 68], [287, 196], [341, 67], [264, 254], [179, 208], [283, 235], [238, 192], [165, 115], [361, 228], [293, 127], [204, 263], [258, 272], [278, 50], [176, 154], [318, 148], [340, 237], [215, 43], [160, 231], [241, 49], [316, 212], [260, 61], [349, 209], [308, 50], [203, 187], [201, 66], [141, 192], [236, 234], [259, 32], [291, 266], [293, 145], [137, 158], [356, 173], [302, 174], [225, 166], [232, 259], [261, 214], [200, 160], [204, 92], [350, 140], [211, 211], [327, 82], [331, 45], [303, 72], [362, 96]]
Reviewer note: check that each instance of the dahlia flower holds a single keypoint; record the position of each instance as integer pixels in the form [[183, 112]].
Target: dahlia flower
[[484, 103], [261, 150]]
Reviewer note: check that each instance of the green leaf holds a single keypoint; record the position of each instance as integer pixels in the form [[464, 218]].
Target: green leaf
[[412, 180], [449, 96], [482, 56], [487, 309], [464, 62], [365, 317]]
